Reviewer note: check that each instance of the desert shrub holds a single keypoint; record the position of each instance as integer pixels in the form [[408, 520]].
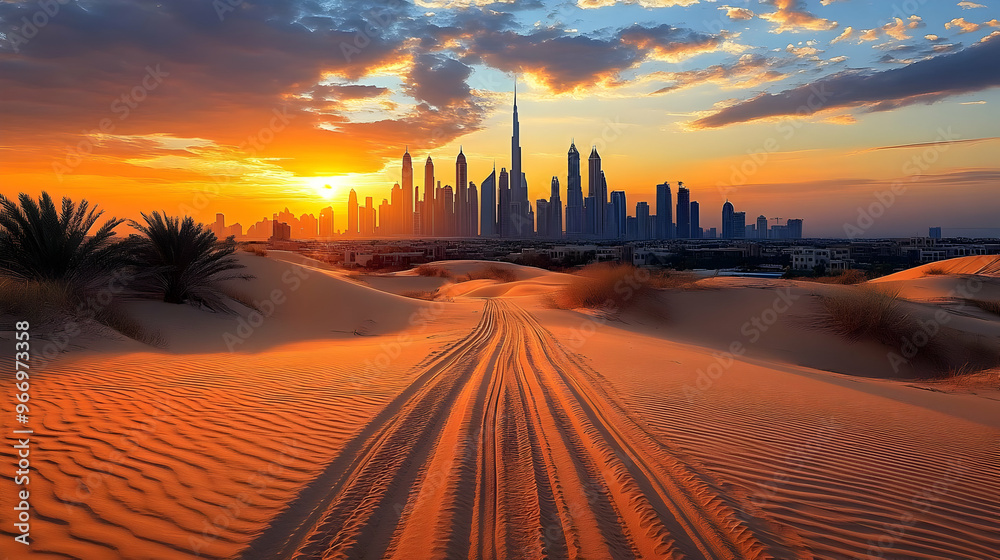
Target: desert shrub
[[867, 312], [40, 302], [671, 279], [432, 271], [40, 242], [182, 261], [848, 278], [491, 272], [934, 271], [115, 317], [604, 286], [420, 294], [990, 306], [257, 250]]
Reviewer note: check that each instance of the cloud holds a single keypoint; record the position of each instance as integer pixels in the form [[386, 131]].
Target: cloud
[[791, 15], [804, 51], [969, 5], [968, 26], [897, 28], [971, 69], [748, 71], [847, 33], [737, 14], [592, 4]]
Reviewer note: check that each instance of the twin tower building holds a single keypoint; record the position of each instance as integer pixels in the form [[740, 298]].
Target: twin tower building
[[500, 207]]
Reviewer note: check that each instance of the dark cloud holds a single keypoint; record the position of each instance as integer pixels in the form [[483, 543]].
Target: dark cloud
[[925, 81], [438, 80]]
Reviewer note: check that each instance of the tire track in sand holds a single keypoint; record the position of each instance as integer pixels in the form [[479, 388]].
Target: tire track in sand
[[503, 448]]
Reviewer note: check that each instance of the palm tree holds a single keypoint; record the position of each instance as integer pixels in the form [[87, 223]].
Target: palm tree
[[183, 261], [39, 242]]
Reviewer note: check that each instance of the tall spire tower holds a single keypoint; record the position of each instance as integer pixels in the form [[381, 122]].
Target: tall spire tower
[[518, 190]]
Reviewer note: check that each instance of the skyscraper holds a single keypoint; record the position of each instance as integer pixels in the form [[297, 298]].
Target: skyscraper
[[406, 214], [396, 222], [643, 229], [664, 211], [520, 207], [473, 210], [618, 211], [761, 227], [595, 185], [427, 211], [542, 206], [488, 205], [352, 213], [695, 220], [683, 212], [326, 222], [503, 204], [447, 205], [555, 220], [462, 194], [727, 220], [739, 227], [574, 194]]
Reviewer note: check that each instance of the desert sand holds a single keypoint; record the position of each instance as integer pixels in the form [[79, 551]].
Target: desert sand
[[354, 422]]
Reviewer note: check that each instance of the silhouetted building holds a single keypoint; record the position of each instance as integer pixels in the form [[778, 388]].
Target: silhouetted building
[[643, 225], [352, 213], [462, 213], [596, 186], [664, 211], [618, 212], [503, 206], [427, 210], [473, 202], [326, 222], [739, 224], [683, 212], [695, 220], [406, 212], [488, 205], [574, 194], [555, 209], [761, 227], [727, 220]]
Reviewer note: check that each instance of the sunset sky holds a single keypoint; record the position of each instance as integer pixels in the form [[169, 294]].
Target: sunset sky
[[143, 106]]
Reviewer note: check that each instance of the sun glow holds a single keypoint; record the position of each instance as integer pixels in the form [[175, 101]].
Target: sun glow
[[327, 188]]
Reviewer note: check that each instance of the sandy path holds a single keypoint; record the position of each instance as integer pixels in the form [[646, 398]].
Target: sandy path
[[504, 448]]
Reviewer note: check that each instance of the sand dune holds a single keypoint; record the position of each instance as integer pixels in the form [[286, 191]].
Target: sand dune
[[297, 301], [355, 423]]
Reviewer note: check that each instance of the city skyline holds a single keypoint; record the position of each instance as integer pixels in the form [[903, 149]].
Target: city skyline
[[698, 91]]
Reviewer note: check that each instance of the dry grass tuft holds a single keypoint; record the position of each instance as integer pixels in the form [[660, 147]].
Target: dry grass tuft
[[603, 286], [934, 271], [869, 312], [420, 294], [114, 316], [492, 272], [990, 306], [432, 271], [40, 302], [848, 277], [259, 250]]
